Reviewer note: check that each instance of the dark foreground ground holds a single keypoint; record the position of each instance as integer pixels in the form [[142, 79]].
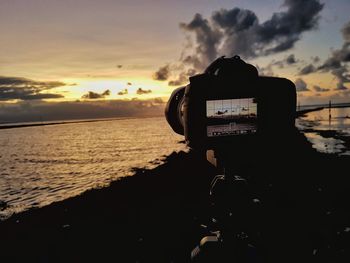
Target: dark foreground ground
[[155, 215]]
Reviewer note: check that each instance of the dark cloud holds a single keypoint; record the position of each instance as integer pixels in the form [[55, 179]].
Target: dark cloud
[[18, 82], [319, 89], [129, 83], [25, 94], [285, 28], [307, 70], [330, 64], [340, 86], [123, 92], [301, 85], [315, 59], [288, 61], [238, 31], [17, 88], [291, 59], [342, 74], [94, 95], [207, 39], [182, 79], [162, 73], [337, 62], [89, 109], [119, 66], [106, 93], [346, 32], [278, 63], [141, 91]]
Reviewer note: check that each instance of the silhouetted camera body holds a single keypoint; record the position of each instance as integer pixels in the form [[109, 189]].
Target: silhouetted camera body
[[231, 104]]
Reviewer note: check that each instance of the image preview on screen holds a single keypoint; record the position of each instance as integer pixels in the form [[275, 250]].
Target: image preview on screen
[[231, 117]]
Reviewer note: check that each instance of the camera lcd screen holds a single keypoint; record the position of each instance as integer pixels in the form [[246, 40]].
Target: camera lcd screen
[[231, 117]]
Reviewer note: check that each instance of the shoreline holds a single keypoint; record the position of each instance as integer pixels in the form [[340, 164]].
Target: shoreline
[[155, 215]]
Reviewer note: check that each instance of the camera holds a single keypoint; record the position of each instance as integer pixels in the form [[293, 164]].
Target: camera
[[235, 116], [231, 104]]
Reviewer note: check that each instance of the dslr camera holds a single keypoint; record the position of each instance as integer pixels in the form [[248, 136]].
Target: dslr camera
[[230, 104], [235, 115]]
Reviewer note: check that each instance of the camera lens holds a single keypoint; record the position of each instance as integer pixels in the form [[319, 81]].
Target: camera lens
[[174, 110]]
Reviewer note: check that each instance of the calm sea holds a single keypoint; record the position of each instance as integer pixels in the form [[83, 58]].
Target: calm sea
[[43, 164], [327, 134]]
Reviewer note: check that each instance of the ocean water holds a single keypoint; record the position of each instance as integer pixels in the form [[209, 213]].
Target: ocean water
[[43, 164], [328, 134]]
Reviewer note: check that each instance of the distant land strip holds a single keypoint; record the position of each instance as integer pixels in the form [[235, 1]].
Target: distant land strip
[[12, 126]]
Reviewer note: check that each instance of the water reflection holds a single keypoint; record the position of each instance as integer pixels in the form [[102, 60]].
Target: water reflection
[[44, 164], [328, 131], [326, 145]]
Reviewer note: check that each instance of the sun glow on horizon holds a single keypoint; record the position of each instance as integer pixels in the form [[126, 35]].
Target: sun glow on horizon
[[140, 88]]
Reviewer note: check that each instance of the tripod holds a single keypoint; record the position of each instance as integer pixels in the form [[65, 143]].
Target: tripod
[[233, 211]]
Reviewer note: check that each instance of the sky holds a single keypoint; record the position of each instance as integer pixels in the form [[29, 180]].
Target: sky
[[64, 59]]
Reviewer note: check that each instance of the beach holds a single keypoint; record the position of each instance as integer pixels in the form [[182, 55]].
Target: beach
[[155, 215]]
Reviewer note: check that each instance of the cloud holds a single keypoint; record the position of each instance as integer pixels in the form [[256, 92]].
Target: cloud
[[307, 70], [25, 94], [265, 71], [346, 32], [330, 64], [141, 91], [285, 28], [342, 74], [129, 83], [123, 92], [162, 73], [319, 89], [106, 93], [279, 63], [18, 82], [339, 97], [89, 109], [337, 62], [17, 88], [340, 86], [301, 85], [119, 66], [94, 95], [291, 59], [315, 59], [238, 31], [182, 78], [207, 37]]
